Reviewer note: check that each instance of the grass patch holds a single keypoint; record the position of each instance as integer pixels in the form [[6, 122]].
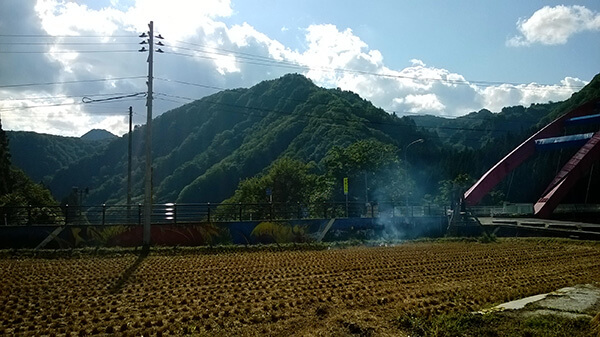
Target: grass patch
[[496, 324]]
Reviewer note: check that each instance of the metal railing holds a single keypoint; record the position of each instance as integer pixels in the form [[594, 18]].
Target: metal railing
[[172, 213]]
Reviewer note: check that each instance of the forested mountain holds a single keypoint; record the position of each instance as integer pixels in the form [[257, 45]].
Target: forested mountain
[[238, 142], [98, 135], [40, 156], [478, 129], [203, 149], [17, 189]]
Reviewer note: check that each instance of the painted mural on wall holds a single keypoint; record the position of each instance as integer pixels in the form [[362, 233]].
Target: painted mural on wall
[[202, 234]]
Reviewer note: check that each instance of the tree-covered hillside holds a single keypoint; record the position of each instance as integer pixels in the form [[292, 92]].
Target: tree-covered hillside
[[41, 155], [203, 149], [17, 191], [478, 129]]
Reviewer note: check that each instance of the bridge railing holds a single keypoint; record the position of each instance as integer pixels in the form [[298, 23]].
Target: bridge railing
[[171, 213]]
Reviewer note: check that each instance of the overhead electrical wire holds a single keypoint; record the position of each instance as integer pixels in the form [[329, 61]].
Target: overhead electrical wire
[[12, 108], [65, 36], [254, 59], [69, 51], [34, 98], [71, 82], [90, 100], [271, 61]]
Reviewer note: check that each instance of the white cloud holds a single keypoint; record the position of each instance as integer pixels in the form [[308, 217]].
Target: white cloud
[[555, 25], [421, 103], [497, 97]]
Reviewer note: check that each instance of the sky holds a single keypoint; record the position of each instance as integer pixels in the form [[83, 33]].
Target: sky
[[67, 67]]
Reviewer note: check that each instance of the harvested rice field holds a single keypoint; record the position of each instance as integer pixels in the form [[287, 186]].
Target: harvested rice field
[[291, 290]]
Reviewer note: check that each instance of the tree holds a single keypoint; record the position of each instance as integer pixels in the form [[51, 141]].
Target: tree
[[288, 181], [373, 168], [5, 164], [450, 191]]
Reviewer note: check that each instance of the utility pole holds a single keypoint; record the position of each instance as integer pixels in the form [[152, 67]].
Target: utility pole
[[129, 166], [148, 182]]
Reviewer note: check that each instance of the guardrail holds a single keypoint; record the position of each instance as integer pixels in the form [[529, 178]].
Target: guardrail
[[527, 210], [172, 213]]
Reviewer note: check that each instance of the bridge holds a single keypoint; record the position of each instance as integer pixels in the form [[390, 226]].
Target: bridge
[[552, 136]]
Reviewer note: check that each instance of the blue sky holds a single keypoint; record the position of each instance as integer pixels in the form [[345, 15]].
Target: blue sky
[[445, 58], [464, 36]]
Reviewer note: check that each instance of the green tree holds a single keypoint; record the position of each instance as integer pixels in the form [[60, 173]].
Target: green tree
[[450, 191], [5, 182], [373, 168], [289, 181]]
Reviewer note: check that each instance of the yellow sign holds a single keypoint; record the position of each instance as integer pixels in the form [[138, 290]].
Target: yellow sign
[[346, 186]]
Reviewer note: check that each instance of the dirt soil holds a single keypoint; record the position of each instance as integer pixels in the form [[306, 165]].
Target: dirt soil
[[350, 291]]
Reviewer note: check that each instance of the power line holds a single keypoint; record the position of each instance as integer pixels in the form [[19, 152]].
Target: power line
[[271, 61], [71, 82], [112, 43], [33, 98], [65, 36], [70, 51], [248, 58], [90, 100], [189, 83], [50, 105]]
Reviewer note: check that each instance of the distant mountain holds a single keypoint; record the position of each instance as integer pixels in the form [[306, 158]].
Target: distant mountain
[[40, 156], [477, 129], [98, 134]]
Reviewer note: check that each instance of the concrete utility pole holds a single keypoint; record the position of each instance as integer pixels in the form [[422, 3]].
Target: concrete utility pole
[[129, 166], [148, 184]]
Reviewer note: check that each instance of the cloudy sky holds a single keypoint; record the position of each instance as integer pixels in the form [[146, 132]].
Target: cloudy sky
[[445, 58]]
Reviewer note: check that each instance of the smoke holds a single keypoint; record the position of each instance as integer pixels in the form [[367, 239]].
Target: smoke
[[410, 222]]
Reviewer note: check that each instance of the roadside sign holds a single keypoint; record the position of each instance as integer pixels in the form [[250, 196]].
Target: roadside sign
[[346, 186]]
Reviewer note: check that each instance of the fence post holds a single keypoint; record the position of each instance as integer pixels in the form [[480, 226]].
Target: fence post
[[240, 211], [175, 213], [208, 212], [66, 214], [140, 214], [103, 214], [270, 210]]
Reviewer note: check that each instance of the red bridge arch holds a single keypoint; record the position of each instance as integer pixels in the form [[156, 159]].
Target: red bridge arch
[[575, 168]]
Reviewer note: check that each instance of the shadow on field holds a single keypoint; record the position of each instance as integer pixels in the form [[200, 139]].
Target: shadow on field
[[127, 273]]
